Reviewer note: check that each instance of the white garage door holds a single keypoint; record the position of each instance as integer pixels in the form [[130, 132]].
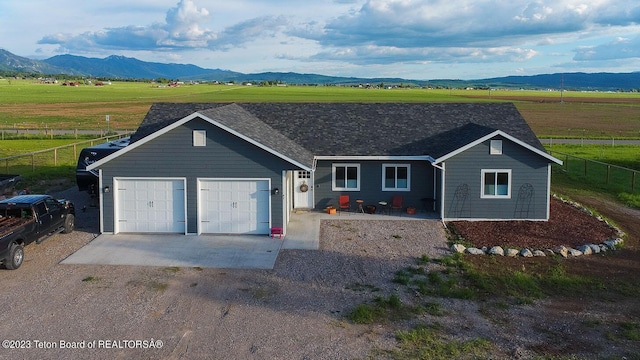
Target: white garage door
[[150, 206], [234, 206]]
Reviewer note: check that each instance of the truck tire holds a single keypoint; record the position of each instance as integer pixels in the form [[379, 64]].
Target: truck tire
[[69, 224], [16, 257]]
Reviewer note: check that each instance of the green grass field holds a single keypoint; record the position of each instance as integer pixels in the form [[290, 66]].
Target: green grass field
[[22, 146], [29, 104], [578, 173]]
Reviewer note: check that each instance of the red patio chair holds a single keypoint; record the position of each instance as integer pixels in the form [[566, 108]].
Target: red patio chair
[[344, 203], [396, 203]]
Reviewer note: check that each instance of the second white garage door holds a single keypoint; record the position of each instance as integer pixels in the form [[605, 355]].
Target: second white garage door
[[235, 206]]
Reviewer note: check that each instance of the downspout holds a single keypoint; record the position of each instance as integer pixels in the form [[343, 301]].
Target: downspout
[[442, 168], [101, 201]]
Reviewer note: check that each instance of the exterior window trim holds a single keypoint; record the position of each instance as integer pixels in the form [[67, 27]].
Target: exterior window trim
[[199, 138], [334, 187], [396, 188], [496, 171]]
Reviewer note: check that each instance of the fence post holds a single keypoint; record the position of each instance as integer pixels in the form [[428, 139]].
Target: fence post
[[75, 151], [608, 171], [55, 157], [633, 181], [585, 168]]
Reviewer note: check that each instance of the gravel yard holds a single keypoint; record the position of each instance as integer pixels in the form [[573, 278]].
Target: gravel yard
[[295, 311]]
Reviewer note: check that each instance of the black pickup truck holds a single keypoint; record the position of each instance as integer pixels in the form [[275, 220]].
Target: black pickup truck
[[28, 218]]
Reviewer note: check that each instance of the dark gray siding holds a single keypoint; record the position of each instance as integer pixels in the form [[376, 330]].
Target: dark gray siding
[[371, 183], [464, 170], [172, 155]]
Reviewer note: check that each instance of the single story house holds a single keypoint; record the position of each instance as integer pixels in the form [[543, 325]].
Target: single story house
[[207, 168]]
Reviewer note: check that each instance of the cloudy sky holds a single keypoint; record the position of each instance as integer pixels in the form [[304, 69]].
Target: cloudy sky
[[414, 39]]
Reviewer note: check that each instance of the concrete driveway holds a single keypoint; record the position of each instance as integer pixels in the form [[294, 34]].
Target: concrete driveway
[[205, 251], [214, 251]]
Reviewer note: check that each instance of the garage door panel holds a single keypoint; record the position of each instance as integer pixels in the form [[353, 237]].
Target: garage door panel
[[151, 205], [234, 206]]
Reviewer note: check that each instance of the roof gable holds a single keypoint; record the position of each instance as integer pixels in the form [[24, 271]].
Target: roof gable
[[490, 136], [238, 122]]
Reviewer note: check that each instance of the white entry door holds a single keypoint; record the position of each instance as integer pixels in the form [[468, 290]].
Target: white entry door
[[234, 206], [150, 206], [302, 190]]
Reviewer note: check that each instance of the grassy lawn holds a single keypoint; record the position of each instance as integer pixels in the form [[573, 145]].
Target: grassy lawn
[[22, 146], [622, 155], [578, 173]]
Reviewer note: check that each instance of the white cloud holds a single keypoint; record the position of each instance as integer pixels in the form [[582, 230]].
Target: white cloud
[[620, 48], [479, 36], [184, 28]]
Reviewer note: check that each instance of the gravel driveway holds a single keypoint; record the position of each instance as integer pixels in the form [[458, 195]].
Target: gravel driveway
[[294, 311]]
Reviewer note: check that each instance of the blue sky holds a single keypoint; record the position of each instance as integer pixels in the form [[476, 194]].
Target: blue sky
[[413, 39]]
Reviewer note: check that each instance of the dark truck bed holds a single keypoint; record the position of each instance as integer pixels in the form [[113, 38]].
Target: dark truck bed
[[10, 223]]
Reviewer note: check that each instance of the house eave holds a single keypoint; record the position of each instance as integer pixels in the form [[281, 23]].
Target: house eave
[[375, 157]]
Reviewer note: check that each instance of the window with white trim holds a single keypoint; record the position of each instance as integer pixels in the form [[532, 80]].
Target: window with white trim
[[345, 177], [496, 147], [199, 138], [496, 184], [396, 177]]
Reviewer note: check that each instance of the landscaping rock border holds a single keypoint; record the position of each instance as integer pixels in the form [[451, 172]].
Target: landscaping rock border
[[561, 250], [565, 252]]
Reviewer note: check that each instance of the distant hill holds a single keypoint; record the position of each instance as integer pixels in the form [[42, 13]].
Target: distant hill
[[572, 81], [121, 67], [11, 62]]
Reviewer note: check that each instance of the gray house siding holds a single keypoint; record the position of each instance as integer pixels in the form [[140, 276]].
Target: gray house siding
[[173, 155], [371, 183], [463, 184]]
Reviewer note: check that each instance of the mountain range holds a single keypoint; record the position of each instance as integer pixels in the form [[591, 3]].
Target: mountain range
[[119, 67]]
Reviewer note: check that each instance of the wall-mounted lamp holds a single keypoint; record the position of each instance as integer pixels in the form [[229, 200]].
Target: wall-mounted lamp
[[276, 191], [106, 189]]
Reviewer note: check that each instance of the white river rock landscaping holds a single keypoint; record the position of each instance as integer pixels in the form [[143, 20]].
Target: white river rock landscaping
[[588, 249]]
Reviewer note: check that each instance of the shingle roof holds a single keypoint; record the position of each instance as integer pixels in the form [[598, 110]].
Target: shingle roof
[[245, 123], [356, 129]]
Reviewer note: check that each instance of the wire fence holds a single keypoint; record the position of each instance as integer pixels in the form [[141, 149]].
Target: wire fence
[[17, 132], [66, 155], [614, 177]]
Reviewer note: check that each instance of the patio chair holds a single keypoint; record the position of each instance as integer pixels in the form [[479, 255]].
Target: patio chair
[[344, 203], [396, 203]]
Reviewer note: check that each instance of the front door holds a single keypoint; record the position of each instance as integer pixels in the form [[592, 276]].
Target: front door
[[302, 190]]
